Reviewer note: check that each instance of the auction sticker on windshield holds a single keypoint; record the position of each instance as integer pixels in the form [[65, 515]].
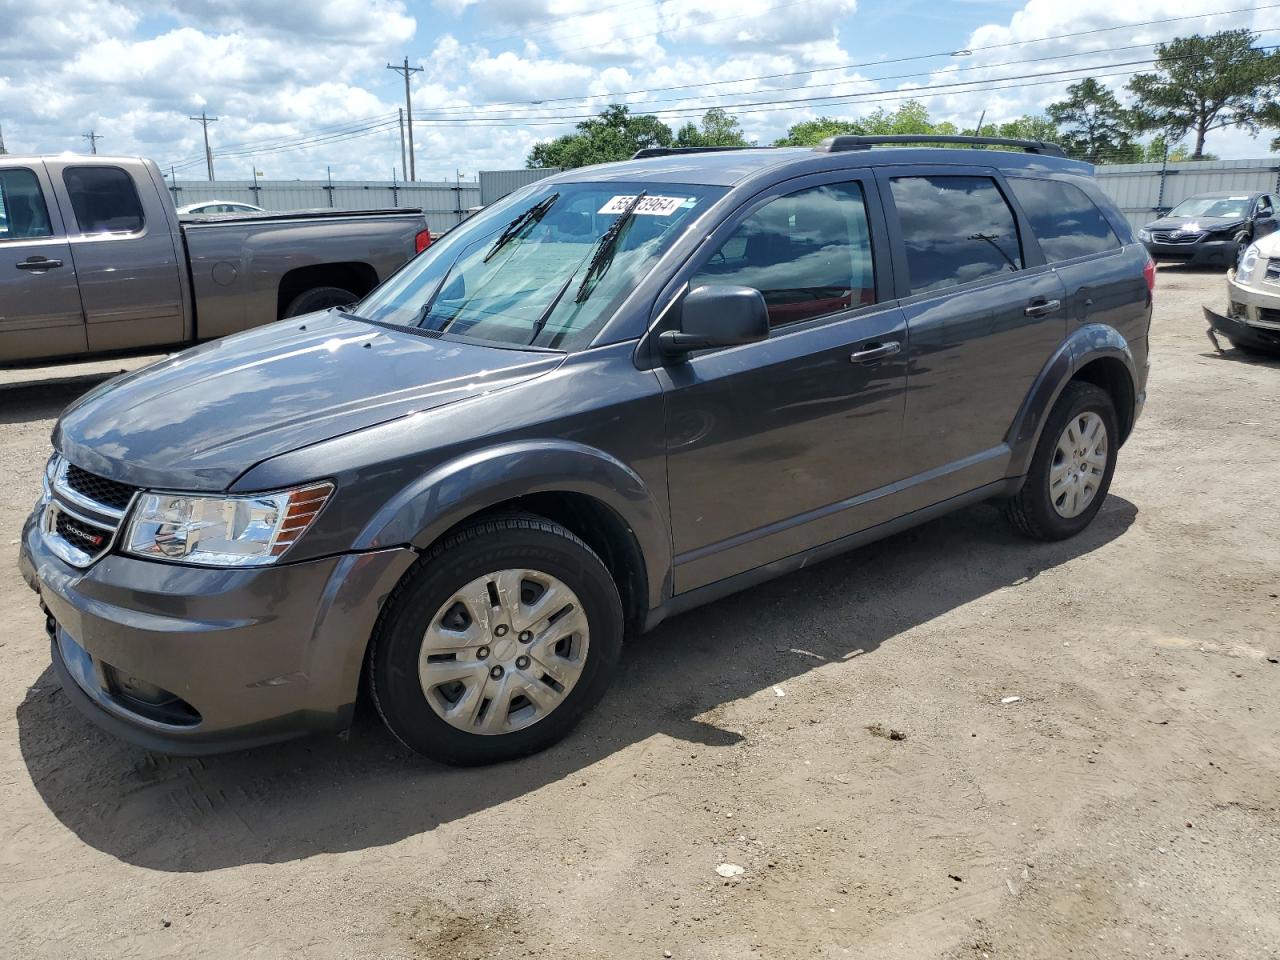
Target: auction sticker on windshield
[[648, 206]]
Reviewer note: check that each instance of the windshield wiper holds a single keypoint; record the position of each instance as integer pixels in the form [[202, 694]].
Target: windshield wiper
[[530, 216], [608, 243]]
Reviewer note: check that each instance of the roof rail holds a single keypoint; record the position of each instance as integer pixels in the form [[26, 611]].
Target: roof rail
[[849, 142], [676, 151]]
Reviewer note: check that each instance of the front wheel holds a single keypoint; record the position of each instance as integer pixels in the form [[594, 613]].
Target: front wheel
[[1072, 466], [496, 643]]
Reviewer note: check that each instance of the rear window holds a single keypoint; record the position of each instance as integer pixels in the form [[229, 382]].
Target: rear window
[[956, 229], [103, 199], [23, 214], [1065, 221]]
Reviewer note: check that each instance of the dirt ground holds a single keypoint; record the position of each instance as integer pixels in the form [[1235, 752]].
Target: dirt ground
[[1127, 804]]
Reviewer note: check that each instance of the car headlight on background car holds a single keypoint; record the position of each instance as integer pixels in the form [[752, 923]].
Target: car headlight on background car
[[231, 531], [1144, 234], [1248, 264]]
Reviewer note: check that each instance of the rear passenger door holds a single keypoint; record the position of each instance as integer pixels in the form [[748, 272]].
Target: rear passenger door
[[1075, 238], [130, 280], [984, 314], [40, 312]]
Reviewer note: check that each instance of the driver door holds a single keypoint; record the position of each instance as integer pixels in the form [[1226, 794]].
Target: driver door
[[782, 445]]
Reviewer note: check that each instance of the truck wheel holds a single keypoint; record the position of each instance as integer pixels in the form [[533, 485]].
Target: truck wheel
[[318, 298], [1072, 466], [496, 642]]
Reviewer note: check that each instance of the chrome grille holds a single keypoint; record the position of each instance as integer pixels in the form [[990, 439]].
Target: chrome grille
[[82, 513], [1173, 236], [1273, 271], [109, 493]]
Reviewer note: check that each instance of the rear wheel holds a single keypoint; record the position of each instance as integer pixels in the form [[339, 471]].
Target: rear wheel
[[318, 298], [1072, 466], [496, 643]]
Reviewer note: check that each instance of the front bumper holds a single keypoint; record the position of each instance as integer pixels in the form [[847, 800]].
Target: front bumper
[[1207, 252], [1252, 318], [195, 660]]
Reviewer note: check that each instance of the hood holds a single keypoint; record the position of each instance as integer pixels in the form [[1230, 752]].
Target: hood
[[1207, 224], [198, 419]]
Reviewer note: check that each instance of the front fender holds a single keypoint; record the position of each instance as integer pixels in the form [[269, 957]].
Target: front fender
[[453, 491], [1086, 344]]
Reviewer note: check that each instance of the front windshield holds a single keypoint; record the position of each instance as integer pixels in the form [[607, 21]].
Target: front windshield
[[1235, 207], [545, 270]]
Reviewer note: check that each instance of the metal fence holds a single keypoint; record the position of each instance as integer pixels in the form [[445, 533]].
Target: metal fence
[[496, 184], [1143, 191], [446, 203]]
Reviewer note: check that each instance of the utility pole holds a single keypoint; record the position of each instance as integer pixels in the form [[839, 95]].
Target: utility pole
[[403, 156], [408, 109], [2, 149], [208, 154], [93, 139]]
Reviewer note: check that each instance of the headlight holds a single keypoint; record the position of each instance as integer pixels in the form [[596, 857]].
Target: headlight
[[1248, 263], [1144, 234], [241, 531]]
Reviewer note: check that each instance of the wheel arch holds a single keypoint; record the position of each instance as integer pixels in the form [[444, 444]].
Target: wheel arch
[[592, 494], [356, 276], [1094, 353]]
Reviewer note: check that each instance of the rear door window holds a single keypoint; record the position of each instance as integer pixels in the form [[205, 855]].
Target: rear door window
[[1065, 221], [23, 213], [956, 229], [808, 253], [103, 199]]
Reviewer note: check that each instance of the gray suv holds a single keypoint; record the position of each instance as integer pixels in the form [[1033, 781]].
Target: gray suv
[[621, 392]]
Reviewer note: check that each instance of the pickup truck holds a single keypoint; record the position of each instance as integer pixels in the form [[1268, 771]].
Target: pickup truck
[[94, 259]]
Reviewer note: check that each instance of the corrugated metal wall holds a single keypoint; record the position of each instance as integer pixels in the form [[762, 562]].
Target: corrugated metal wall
[[496, 184], [445, 203], [1137, 187]]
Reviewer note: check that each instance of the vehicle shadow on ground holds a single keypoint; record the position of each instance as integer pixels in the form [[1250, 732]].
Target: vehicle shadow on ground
[[326, 795], [1252, 358], [42, 400]]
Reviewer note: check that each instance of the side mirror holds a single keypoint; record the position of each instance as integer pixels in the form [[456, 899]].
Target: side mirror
[[717, 316]]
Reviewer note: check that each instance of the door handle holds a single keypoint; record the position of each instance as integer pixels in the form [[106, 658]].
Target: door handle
[[875, 351], [37, 263], [1043, 308]]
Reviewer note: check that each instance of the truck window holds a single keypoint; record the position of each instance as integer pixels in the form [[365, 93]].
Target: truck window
[[23, 214], [1065, 221], [104, 199], [956, 229], [808, 253]]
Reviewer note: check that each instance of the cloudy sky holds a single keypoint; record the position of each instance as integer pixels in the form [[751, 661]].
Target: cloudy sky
[[298, 86]]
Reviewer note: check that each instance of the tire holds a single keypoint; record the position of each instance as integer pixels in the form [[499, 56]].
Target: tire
[[438, 607], [318, 298], [1032, 511]]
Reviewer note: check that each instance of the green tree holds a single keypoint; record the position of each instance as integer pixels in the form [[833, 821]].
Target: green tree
[[614, 135], [810, 133], [717, 129], [910, 117], [1095, 125], [1202, 84], [1026, 127]]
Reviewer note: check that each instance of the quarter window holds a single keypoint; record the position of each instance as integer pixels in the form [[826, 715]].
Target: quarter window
[[1065, 221], [808, 253], [104, 199], [956, 229], [23, 214]]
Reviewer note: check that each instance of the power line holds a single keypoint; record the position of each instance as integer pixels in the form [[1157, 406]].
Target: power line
[[868, 63], [644, 106], [405, 71], [285, 140], [299, 144], [208, 154]]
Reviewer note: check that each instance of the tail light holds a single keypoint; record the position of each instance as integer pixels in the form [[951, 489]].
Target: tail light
[[421, 240], [1149, 273]]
